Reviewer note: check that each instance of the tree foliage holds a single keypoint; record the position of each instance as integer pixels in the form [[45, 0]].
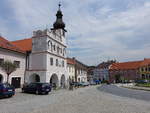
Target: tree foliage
[[8, 67]]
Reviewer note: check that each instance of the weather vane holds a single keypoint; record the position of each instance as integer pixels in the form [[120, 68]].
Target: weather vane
[[59, 5]]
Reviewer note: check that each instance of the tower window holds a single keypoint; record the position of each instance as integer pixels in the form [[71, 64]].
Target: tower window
[[51, 61], [54, 47], [56, 62], [58, 50], [63, 64]]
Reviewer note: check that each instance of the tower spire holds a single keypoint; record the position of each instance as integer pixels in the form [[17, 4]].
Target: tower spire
[[59, 5], [59, 24]]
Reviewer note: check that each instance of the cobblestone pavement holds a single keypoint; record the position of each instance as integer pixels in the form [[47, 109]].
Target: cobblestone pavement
[[82, 100]]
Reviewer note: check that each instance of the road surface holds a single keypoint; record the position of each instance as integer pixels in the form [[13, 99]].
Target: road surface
[[82, 100], [124, 92]]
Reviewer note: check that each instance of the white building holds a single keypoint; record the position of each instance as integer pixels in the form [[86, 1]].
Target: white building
[[10, 52], [46, 54], [80, 71], [71, 69], [77, 71]]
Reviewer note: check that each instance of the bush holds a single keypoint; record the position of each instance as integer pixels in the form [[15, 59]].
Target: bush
[[143, 84]]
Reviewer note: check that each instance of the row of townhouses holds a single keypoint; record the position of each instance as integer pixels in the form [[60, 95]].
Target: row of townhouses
[[42, 58], [120, 72], [77, 71]]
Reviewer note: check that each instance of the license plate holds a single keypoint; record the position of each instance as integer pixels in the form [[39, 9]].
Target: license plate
[[10, 90]]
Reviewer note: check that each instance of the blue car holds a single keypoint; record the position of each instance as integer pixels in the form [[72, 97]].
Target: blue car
[[37, 88], [6, 90], [97, 81]]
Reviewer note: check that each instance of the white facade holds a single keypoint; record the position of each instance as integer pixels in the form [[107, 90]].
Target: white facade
[[71, 72], [13, 56], [101, 74], [47, 61], [81, 75]]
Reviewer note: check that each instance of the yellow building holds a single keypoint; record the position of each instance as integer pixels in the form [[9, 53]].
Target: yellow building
[[144, 69]]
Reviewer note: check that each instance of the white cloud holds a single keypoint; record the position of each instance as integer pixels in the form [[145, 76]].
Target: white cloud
[[97, 31]]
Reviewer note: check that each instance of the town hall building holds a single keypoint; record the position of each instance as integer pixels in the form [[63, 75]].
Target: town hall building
[[46, 54], [42, 58]]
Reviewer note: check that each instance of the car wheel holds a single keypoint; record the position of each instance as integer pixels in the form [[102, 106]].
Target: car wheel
[[37, 92], [23, 91], [10, 96], [46, 93]]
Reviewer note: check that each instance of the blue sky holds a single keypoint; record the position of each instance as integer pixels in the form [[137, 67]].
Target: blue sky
[[98, 30]]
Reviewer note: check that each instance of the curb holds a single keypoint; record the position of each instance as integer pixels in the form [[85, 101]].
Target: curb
[[136, 88]]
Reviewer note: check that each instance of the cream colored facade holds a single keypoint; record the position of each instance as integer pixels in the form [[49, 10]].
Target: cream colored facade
[[12, 56], [145, 72], [81, 75], [71, 72]]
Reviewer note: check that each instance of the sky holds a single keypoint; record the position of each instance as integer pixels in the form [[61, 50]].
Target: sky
[[98, 30]]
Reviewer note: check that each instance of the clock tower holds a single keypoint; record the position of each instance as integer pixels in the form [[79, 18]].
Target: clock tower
[[48, 56]]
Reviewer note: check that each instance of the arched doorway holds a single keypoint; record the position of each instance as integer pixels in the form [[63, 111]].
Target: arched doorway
[[143, 76], [1, 78], [62, 81], [54, 81], [34, 78], [117, 78]]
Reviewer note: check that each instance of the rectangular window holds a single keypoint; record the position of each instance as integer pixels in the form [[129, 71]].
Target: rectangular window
[[1, 61], [17, 63], [63, 64], [54, 47], [56, 62], [51, 61], [146, 69]]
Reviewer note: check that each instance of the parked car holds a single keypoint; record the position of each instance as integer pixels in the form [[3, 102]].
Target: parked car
[[76, 84], [37, 88], [97, 81], [85, 84], [6, 90], [92, 83], [141, 81]]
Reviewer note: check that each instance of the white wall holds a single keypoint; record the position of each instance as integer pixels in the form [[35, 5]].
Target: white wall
[[13, 56], [43, 50], [71, 71]]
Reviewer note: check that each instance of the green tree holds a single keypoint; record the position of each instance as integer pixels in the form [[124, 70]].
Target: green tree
[[118, 78], [8, 67]]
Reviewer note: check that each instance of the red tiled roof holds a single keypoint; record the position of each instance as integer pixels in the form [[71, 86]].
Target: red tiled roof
[[70, 61], [145, 62], [126, 65], [25, 44], [130, 65], [10, 46]]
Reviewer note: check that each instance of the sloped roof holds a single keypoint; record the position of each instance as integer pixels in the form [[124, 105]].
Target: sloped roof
[[130, 65], [25, 44], [8, 45], [145, 62], [70, 61], [126, 65]]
